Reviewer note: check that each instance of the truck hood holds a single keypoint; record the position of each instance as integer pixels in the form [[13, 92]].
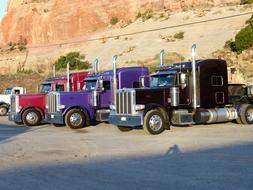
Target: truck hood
[[75, 99], [32, 100], [150, 95]]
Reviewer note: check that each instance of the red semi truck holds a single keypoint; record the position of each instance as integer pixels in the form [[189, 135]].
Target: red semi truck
[[30, 109]]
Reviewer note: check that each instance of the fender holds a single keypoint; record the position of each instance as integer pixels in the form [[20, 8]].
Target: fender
[[83, 109], [4, 104]]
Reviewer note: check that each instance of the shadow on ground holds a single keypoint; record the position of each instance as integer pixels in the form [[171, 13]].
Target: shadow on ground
[[219, 168], [9, 131]]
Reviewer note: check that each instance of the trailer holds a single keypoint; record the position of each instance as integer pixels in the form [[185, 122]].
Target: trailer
[[186, 93]]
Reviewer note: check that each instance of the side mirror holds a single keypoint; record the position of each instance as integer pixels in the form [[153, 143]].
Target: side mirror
[[250, 91], [100, 84], [144, 81], [183, 80]]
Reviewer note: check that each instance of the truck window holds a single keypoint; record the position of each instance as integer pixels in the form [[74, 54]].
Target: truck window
[[59, 87], [162, 80], [90, 85], [44, 88], [217, 81], [16, 91], [107, 85]]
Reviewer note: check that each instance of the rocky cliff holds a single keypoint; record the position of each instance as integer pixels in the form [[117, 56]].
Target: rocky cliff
[[49, 21]]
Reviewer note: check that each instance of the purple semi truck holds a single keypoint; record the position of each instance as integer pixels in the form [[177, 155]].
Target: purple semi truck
[[79, 109]]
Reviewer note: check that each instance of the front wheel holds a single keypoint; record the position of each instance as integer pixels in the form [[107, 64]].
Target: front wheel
[[3, 110], [31, 117], [154, 122], [75, 119], [246, 114]]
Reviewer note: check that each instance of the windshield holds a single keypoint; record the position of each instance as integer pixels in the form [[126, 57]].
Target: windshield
[[90, 85], [45, 88], [8, 91], [162, 80]]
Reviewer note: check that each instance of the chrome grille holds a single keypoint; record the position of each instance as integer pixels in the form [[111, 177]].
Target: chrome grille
[[52, 102], [125, 102], [13, 105]]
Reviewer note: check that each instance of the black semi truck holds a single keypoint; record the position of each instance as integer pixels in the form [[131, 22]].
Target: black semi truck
[[187, 93]]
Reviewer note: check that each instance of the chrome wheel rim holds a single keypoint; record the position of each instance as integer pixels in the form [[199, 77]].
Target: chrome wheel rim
[[155, 122], [76, 119], [3, 111], [32, 118], [249, 115]]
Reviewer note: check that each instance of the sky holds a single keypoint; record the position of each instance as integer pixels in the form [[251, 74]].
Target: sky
[[2, 8]]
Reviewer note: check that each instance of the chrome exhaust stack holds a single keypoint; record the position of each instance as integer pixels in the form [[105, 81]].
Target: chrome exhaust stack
[[161, 58], [54, 72], [68, 78], [115, 79], [194, 77], [95, 66]]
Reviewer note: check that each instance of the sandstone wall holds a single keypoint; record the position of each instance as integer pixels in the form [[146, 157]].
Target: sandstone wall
[[49, 21]]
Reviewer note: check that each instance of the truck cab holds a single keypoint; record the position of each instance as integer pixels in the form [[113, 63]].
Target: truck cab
[[79, 109], [29, 109], [184, 93], [5, 99]]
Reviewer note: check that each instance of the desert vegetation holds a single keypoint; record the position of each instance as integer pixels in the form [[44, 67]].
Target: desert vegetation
[[75, 59]]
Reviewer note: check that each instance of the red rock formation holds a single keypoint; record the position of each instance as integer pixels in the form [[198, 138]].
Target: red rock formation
[[48, 21]]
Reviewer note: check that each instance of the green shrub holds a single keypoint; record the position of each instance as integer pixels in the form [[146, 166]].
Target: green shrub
[[244, 39], [114, 20], [21, 47], [243, 2], [75, 60], [179, 35]]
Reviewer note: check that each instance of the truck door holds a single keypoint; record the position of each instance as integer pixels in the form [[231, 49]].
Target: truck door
[[184, 92], [105, 96]]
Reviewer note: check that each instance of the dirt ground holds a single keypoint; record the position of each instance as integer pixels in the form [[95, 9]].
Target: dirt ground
[[101, 157]]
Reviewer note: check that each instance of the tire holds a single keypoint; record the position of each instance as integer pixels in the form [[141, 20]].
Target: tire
[[154, 122], [31, 117], [3, 110], [124, 129], [75, 119], [58, 125], [246, 114]]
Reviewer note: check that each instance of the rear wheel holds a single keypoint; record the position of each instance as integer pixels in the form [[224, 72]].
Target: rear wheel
[[154, 122], [246, 114], [124, 129], [31, 117], [3, 110], [75, 119]]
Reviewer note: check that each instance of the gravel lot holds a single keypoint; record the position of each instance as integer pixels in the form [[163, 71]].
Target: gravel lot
[[101, 157]]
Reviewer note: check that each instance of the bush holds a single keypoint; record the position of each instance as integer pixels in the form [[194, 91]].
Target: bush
[[179, 35], [244, 39], [114, 20], [75, 60], [243, 2]]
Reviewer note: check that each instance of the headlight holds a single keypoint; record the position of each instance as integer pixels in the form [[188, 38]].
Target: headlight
[[60, 107], [112, 107], [139, 107], [47, 106]]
